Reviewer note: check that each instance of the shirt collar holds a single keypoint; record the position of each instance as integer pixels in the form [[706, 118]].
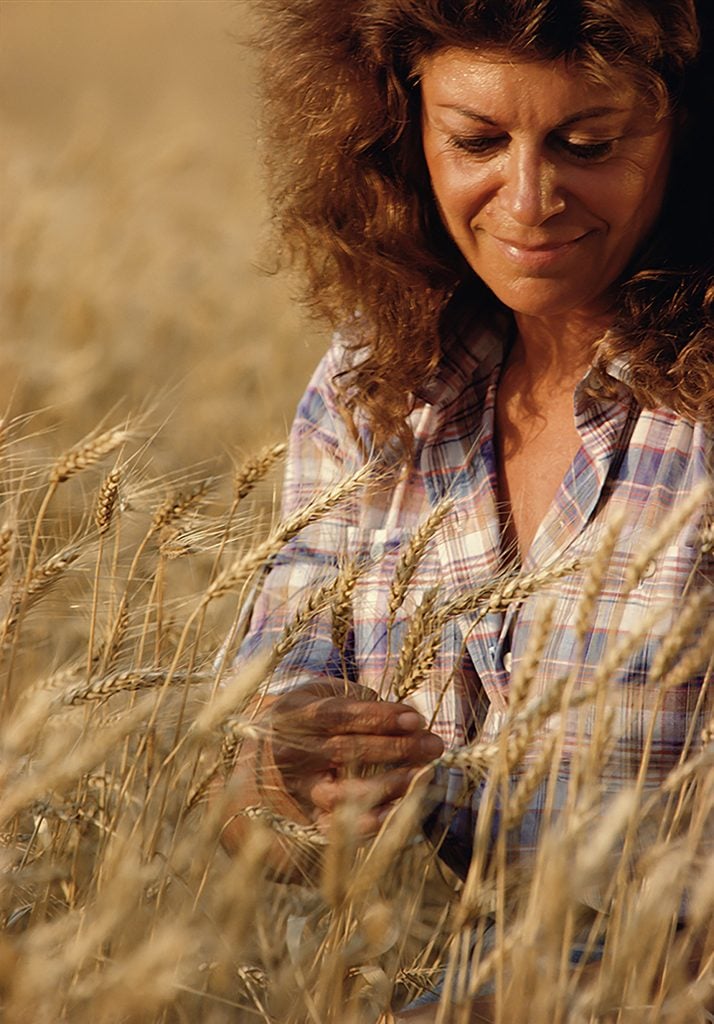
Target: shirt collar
[[478, 350]]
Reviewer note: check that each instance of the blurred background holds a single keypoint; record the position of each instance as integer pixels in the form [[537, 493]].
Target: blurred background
[[133, 230]]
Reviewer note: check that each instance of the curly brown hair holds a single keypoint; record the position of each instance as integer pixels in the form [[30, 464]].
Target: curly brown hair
[[354, 210]]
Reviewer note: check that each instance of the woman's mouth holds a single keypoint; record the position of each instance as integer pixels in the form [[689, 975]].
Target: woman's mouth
[[538, 255]]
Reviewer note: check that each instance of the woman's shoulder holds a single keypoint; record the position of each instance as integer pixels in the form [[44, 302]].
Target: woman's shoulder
[[325, 417]]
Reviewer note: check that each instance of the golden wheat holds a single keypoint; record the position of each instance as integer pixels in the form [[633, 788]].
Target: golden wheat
[[120, 704]]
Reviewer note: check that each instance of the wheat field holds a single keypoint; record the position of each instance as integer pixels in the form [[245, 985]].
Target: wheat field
[[149, 369]]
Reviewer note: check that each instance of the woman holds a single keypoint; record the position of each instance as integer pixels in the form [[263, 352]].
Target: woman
[[502, 206]]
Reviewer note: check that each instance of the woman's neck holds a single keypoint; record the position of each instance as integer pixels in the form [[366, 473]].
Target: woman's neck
[[556, 349]]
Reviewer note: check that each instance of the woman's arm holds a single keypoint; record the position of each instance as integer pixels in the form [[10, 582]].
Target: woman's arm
[[320, 731]]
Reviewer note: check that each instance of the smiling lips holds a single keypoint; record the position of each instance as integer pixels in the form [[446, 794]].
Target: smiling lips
[[537, 256]]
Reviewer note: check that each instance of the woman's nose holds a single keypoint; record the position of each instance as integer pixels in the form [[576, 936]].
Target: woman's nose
[[530, 193]]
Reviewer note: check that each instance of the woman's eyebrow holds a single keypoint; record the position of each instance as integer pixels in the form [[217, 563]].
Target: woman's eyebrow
[[473, 115], [591, 112], [580, 115]]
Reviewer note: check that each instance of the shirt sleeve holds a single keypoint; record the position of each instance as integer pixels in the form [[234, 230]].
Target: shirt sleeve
[[322, 453]]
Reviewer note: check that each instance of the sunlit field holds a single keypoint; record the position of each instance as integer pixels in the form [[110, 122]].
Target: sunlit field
[[149, 369]]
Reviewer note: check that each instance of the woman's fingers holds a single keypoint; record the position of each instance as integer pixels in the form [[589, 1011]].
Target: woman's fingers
[[300, 713], [340, 732], [355, 751], [343, 715], [325, 746], [328, 791], [314, 752]]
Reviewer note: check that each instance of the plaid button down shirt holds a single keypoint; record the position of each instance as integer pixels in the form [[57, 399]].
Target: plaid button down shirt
[[638, 464]]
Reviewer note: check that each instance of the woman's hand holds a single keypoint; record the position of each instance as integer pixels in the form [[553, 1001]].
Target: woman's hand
[[333, 750]]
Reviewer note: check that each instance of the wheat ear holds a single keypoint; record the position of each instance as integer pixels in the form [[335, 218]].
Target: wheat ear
[[531, 779], [412, 555], [419, 647], [178, 505], [7, 536], [418, 655], [88, 454], [38, 583], [527, 666], [342, 602], [103, 514], [255, 468], [106, 501], [316, 602], [244, 567], [593, 581], [122, 682], [306, 836]]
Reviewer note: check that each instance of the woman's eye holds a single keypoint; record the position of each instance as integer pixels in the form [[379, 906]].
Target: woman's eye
[[476, 144], [587, 150]]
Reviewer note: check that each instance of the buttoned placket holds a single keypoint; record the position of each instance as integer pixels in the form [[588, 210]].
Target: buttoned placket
[[474, 556]]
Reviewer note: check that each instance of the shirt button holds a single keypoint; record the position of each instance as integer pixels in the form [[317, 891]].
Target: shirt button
[[507, 661], [650, 570]]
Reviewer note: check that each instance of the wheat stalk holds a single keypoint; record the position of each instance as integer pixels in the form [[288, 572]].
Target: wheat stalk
[[106, 501], [668, 528], [305, 836], [412, 555], [244, 567], [525, 670], [256, 468], [7, 537], [88, 454], [180, 504], [124, 682], [342, 603]]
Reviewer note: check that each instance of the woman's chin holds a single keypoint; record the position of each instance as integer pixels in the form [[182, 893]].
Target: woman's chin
[[545, 299]]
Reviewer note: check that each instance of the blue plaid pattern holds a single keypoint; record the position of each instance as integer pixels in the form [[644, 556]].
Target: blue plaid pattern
[[637, 463]]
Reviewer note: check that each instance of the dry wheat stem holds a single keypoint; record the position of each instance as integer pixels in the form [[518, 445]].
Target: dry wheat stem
[[304, 836], [526, 668], [236, 694], [232, 698], [668, 528], [398, 828], [412, 555], [63, 772], [342, 603], [124, 682], [245, 566]]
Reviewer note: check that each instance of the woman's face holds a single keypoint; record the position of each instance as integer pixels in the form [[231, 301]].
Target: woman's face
[[547, 182]]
